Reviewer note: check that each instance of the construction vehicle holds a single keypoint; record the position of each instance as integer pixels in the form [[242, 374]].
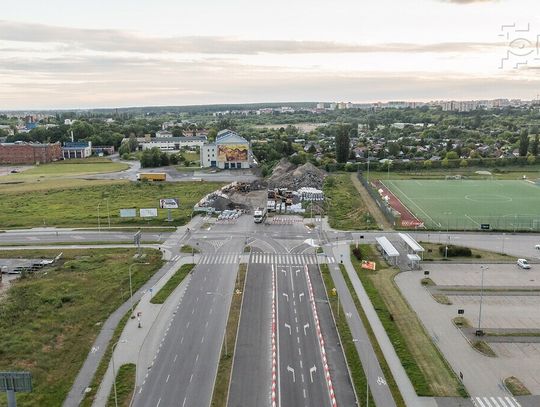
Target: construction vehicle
[[259, 215], [151, 176]]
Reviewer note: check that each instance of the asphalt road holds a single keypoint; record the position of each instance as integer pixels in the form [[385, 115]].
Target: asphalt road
[[184, 370], [251, 375], [301, 379], [53, 235]]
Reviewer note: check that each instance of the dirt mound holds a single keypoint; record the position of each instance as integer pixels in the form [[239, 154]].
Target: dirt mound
[[287, 175]]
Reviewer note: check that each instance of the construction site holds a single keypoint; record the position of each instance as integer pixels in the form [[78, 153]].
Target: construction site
[[289, 189]]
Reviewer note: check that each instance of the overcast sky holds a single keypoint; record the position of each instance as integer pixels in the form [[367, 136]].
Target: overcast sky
[[78, 54]]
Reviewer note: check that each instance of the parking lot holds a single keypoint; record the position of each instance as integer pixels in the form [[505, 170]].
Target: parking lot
[[505, 305]]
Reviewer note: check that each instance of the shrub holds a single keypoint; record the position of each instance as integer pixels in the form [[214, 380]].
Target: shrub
[[455, 251], [357, 253]]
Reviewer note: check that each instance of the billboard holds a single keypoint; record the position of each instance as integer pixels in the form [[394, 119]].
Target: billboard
[[128, 213], [148, 212], [232, 152], [168, 203]]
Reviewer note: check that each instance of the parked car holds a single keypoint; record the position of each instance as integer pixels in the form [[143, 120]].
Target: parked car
[[524, 264], [537, 247]]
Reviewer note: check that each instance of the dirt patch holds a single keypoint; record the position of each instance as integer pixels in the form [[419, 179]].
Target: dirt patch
[[371, 205]]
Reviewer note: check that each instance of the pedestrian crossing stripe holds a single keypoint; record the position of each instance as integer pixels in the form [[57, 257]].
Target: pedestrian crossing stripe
[[502, 401], [265, 258]]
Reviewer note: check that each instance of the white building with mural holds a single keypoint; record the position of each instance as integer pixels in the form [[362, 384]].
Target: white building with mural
[[229, 151]]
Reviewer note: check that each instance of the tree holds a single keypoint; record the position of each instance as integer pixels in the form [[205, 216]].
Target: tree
[[534, 146], [463, 163], [82, 130], [523, 143], [342, 144], [133, 144]]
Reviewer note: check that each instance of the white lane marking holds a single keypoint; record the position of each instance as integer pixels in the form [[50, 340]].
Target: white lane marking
[[167, 380], [181, 340], [202, 340], [184, 403], [191, 377], [197, 358], [159, 401], [175, 356]]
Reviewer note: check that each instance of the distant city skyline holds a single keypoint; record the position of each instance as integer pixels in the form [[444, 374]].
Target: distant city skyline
[[60, 54]]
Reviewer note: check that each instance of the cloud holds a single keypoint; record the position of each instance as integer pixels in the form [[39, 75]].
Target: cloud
[[470, 1], [100, 40]]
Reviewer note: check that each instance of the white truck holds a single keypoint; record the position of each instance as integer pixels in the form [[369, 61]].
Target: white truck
[[259, 214]]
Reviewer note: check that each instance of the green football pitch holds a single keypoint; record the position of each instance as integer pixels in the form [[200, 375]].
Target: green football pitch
[[468, 204]]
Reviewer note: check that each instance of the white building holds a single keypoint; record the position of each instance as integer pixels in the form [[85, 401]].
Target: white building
[[163, 134], [229, 151], [172, 144], [77, 149]]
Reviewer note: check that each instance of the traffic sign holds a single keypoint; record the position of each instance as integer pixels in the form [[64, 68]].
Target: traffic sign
[[16, 381]]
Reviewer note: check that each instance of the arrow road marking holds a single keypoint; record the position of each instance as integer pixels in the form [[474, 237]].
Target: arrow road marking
[[288, 326], [286, 296], [311, 371], [300, 296], [290, 369], [306, 326]]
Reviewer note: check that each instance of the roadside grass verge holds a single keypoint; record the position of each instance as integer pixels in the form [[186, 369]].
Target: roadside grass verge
[[125, 383], [346, 208], [78, 207], [484, 348], [173, 282], [432, 254], [49, 320], [514, 385], [349, 349], [426, 367], [223, 376], [104, 364], [394, 389], [188, 249]]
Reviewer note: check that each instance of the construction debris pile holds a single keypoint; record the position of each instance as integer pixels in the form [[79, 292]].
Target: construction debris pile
[[220, 200], [287, 175]]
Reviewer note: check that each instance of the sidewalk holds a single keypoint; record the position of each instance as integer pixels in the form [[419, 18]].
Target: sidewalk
[[141, 343], [341, 251]]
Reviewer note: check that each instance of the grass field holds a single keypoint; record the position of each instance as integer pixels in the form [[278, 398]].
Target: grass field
[[61, 174], [346, 208], [172, 283], [78, 207], [49, 320], [466, 204]]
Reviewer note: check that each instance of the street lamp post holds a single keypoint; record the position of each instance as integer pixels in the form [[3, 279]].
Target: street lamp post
[[98, 220], [131, 287], [483, 268], [114, 371], [108, 214]]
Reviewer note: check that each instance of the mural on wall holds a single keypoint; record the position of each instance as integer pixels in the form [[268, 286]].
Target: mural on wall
[[232, 152]]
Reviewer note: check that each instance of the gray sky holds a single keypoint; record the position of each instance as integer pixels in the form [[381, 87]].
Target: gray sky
[[77, 54]]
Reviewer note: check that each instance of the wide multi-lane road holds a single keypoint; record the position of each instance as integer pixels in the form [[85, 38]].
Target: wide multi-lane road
[[184, 369], [301, 378]]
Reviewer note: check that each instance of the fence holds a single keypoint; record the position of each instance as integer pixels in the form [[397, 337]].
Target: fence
[[390, 214]]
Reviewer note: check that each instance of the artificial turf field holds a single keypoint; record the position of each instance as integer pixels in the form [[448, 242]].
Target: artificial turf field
[[467, 204]]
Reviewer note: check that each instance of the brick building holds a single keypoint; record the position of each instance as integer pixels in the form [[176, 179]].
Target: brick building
[[29, 153]]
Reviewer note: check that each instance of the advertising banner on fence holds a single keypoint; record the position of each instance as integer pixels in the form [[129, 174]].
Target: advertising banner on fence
[[128, 213], [168, 203], [148, 212], [232, 152], [369, 265]]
